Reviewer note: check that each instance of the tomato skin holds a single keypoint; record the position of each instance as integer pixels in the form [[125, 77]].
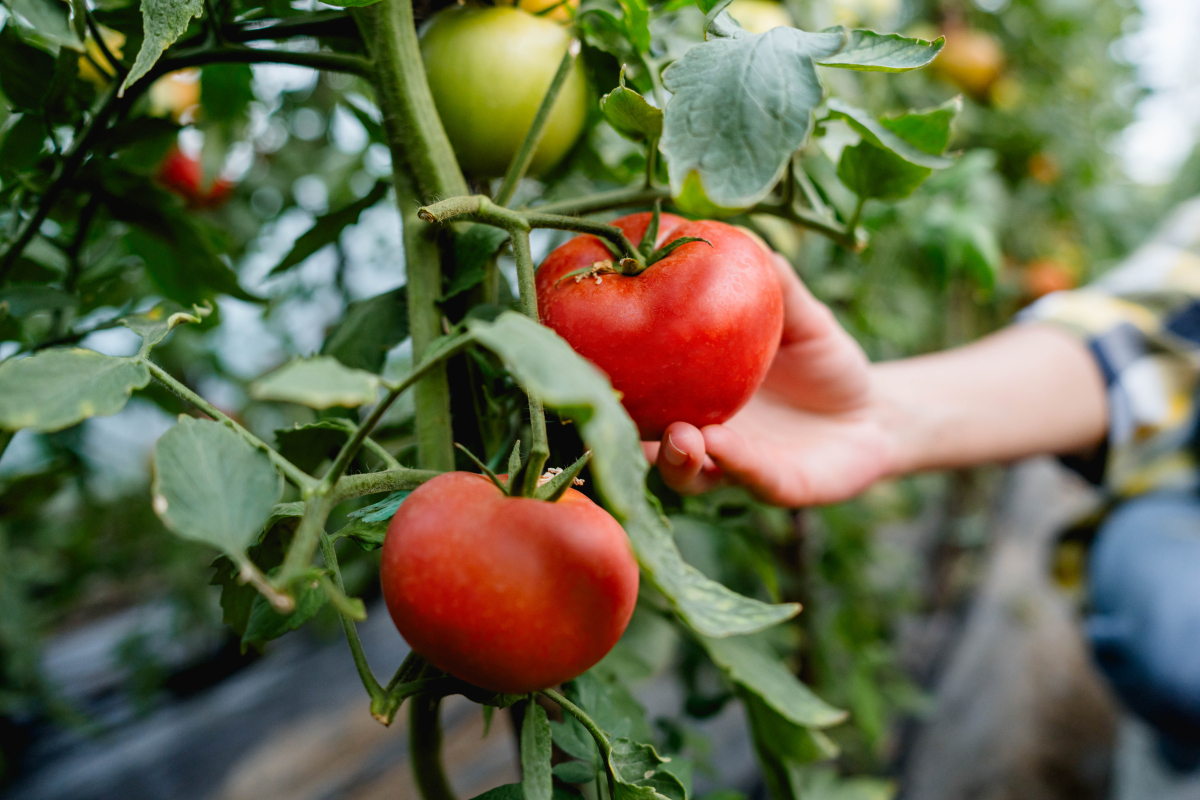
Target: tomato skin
[[488, 69], [183, 175], [688, 340], [508, 593]]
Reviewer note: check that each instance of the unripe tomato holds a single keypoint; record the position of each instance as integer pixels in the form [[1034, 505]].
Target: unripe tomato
[[488, 69], [973, 60], [99, 78], [509, 593], [759, 16], [175, 93], [183, 175], [688, 340]]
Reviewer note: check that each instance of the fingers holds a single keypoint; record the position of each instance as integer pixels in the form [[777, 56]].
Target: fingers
[[681, 460]]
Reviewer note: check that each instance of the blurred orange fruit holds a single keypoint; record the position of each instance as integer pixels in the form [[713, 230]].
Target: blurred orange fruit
[[973, 60]]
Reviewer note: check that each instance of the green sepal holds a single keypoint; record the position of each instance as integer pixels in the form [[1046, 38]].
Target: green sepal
[[672, 246], [646, 245], [514, 458], [484, 469]]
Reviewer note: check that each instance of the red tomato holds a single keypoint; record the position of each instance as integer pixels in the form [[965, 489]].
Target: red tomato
[[183, 175], [508, 593], [688, 340]]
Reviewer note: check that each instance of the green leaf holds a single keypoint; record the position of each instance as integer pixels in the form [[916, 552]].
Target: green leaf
[[548, 368], [747, 662], [507, 791], [368, 525], [741, 106], [163, 21], [636, 770], [876, 52], [536, 780], [610, 704], [26, 72], [265, 623], [212, 486], [56, 389], [573, 739], [178, 252], [871, 171], [603, 31], [50, 19], [22, 142], [630, 114], [369, 329], [227, 90], [155, 324], [474, 249], [307, 446], [785, 739], [636, 16], [575, 772], [328, 227], [237, 597], [317, 382], [880, 135], [352, 3]]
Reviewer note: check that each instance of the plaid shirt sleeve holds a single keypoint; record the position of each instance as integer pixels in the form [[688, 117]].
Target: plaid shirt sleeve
[[1142, 323]]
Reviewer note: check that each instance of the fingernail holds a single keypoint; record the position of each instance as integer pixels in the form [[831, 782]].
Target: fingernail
[[673, 454]]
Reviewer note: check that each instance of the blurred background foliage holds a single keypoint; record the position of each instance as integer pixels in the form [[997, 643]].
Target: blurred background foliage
[[266, 190]]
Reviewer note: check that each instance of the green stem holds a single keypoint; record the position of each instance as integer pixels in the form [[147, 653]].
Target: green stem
[[604, 201], [392, 480], [356, 651], [325, 24], [539, 449], [806, 185], [298, 476], [237, 54], [811, 220], [852, 225], [578, 713], [308, 535], [652, 69], [521, 161], [414, 130], [382, 454], [480, 209], [425, 743]]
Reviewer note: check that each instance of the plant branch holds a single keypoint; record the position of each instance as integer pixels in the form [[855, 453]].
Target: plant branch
[[523, 157], [835, 231], [117, 65], [239, 54], [324, 24], [480, 209], [852, 225], [539, 449], [392, 480], [578, 713], [298, 476], [356, 650], [425, 742]]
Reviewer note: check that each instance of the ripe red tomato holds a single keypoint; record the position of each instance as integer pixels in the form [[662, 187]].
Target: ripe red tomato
[[688, 340], [183, 175], [508, 593]]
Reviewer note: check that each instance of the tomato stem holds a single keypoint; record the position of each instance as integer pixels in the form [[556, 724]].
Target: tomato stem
[[356, 650], [425, 743], [539, 449], [523, 157]]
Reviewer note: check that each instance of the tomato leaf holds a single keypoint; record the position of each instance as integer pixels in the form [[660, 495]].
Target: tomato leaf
[[871, 171], [368, 525], [59, 388], [741, 106], [575, 772], [747, 663], [154, 325], [882, 136], [318, 382], [548, 368], [307, 446], [26, 73], [50, 20], [778, 735], [630, 114], [328, 228], [474, 249], [163, 21], [637, 773], [636, 16], [265, 623], [573, 739], [368, 330], [536, 779], [507, 791], [876, 52], [212, 486]]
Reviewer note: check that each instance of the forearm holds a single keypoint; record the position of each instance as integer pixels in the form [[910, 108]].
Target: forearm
[[1026, 390]]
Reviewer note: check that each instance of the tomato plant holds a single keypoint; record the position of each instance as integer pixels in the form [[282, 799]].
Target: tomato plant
[[687, 339], [347, 420]]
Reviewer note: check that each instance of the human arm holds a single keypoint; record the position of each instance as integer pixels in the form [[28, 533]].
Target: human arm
[[826, 423]]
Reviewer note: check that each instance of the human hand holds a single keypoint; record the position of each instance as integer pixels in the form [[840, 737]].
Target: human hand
[[810, 435]]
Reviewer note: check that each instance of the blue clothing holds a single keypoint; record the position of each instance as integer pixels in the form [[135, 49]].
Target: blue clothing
[[1144, 624]]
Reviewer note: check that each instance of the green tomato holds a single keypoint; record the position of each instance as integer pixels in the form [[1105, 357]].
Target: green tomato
[[488, 69]]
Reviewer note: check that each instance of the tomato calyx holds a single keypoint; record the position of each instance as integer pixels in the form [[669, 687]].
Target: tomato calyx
[[647, 254], [551, 485]]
